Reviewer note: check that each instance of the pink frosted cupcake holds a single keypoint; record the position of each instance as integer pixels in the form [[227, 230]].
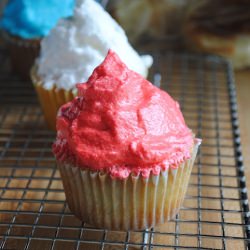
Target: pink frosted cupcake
[[123, 149]]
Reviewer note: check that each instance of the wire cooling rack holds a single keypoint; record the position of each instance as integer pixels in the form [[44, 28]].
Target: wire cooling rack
[[215, 213]]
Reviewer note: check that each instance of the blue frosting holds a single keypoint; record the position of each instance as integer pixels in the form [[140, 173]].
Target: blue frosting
[[34, 18]]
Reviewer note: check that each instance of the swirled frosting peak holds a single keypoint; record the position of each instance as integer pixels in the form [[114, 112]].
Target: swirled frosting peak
[[121, 124]]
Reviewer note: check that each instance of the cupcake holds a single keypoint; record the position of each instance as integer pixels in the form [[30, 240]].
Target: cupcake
[[220, 28], [24, 23], [123, 150], [73, 49], [150, 19]]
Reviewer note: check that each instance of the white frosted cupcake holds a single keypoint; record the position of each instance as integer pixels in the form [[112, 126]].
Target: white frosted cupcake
[[123, 149], [73, 49]]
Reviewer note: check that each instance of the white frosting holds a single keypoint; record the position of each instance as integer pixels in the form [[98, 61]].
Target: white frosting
[[77, 45]]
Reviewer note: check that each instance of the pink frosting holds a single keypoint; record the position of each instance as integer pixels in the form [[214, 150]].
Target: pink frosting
[[121, 124]]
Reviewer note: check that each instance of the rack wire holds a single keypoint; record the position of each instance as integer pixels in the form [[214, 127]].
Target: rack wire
[[215, 213]]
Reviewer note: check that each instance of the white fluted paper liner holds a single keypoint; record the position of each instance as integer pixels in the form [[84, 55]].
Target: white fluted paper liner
[[130, 204]]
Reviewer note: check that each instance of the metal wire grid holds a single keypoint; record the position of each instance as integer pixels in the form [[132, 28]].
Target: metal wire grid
[[215, 213]]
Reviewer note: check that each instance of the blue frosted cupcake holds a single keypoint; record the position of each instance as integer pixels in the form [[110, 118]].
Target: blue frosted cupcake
[[25, 22]]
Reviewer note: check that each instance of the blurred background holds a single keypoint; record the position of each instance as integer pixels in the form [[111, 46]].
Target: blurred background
[[217, 27]]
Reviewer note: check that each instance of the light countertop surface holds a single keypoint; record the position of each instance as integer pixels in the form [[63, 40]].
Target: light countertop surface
[[242, 80]]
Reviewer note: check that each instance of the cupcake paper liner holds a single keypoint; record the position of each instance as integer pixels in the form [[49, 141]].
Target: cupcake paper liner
[[22, 54], [126, 204], [50, 99]]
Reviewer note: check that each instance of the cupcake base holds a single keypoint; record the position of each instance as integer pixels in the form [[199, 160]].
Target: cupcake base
[[134, 203], [22, 54], [50, 99]]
